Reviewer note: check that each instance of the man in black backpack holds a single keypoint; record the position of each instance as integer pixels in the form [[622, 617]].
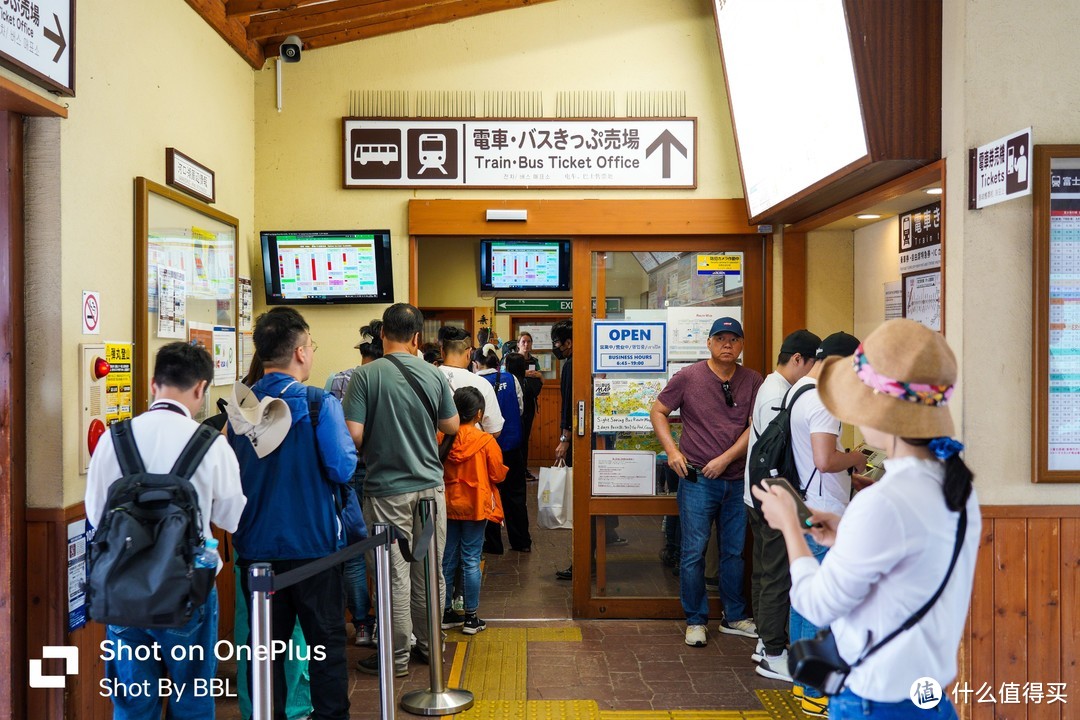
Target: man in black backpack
[[182, 374], [770, 582]]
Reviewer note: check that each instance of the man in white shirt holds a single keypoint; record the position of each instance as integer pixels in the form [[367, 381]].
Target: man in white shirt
[[770, 582], [823, 467], [182, 375], [456, 348]]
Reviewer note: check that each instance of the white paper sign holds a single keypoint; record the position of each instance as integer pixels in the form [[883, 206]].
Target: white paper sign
[[172, 303], [621, 346], [688, 330], [623, 472]]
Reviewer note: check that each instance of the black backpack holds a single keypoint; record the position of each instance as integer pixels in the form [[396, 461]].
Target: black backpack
[[142, 557], [772, 455]]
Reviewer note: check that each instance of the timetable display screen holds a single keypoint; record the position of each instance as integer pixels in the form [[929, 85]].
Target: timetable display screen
[[327, 267], [525, 265]]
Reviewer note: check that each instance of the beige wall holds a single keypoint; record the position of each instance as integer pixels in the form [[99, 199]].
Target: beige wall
[[149, 76], [877, 261], [571, 45], [830, 271], [1002, 73]]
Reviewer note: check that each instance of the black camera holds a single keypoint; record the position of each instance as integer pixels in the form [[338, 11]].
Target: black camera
[[817, 663]]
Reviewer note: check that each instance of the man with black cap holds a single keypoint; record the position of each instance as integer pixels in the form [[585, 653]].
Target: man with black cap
[[770, 582], [825, 479], [714, 397]]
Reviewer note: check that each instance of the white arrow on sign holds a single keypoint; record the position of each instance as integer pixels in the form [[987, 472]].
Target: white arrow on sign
[[35, 39]]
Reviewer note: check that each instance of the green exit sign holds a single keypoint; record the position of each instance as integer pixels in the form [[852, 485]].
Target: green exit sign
[[549, 306]]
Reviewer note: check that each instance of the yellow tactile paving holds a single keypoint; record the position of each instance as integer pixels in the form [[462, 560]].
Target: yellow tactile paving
[[684, 715], [562, 710], [496, 670], [495, 710], [780, 705]]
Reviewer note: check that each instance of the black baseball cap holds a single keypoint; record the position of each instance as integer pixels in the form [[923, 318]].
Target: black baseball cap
[[803, 342], [839, 344]]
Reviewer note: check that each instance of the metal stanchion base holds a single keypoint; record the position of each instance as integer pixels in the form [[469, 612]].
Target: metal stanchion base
[[447, 702]]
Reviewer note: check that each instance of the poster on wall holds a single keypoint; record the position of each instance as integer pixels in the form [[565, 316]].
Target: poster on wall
[[118, 383], [171, 303], [894, 300], [922, 298], [688, 330], [245, 297], [76, 566]]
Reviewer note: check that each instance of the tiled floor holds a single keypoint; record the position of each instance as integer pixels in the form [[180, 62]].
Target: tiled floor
[[533, 653]]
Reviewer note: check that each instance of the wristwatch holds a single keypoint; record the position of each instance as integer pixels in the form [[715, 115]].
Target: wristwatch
[[563, 438]]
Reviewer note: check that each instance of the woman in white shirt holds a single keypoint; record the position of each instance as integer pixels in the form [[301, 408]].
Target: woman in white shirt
[[894, 545]]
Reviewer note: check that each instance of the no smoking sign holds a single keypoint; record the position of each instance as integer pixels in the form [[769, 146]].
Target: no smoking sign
[[91, 313]]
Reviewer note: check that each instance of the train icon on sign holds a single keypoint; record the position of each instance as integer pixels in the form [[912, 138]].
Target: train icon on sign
[[433, 152], [385, 154]]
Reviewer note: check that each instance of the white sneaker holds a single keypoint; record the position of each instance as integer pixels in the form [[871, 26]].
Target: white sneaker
[[745, 627], [775, 667], [759, 651], [697, 635]]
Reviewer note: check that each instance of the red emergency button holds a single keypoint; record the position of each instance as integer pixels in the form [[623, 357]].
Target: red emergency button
[[97, 429], [101, 368]]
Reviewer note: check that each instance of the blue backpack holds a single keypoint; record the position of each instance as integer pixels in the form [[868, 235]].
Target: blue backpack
[[506, 393]]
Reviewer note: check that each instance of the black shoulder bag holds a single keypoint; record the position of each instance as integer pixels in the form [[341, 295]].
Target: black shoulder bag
[[816, 662]]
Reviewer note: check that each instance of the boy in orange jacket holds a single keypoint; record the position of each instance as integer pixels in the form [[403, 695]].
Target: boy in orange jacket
[[474, 463]]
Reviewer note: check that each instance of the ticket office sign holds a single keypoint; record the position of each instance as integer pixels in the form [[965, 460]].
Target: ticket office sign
[[542, 152], [620, 346]]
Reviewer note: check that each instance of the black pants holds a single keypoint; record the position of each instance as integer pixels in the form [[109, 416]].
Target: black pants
[[515, 506], [770, 584], [319, 604]]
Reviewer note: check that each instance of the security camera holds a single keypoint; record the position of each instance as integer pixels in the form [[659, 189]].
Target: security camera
[[290, 49]]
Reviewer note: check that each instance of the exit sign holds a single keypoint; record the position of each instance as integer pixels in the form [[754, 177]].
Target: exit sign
[[549, 306]]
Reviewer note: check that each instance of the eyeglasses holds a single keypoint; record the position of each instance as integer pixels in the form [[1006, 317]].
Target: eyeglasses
[[313, 345], [728, 397]]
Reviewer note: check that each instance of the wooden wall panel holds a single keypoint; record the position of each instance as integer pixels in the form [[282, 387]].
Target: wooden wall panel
[[545, 429], [1069, 564], [1010, 604], [981, 624], [1044, 608]]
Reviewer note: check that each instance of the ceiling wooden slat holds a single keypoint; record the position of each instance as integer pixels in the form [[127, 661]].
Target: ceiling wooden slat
[[235, 8], [362, 30], [230, 29], [313, 18]]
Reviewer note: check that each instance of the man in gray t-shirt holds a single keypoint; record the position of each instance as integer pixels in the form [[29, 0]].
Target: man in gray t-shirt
[[394, 428]]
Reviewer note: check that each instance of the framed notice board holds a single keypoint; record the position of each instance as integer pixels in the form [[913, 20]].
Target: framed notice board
[[185, 285], [1055, 452]]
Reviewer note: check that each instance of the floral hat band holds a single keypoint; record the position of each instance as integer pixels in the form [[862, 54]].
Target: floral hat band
[[921, 393]]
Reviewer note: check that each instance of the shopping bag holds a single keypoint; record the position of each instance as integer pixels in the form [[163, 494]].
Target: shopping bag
[[555, 497]]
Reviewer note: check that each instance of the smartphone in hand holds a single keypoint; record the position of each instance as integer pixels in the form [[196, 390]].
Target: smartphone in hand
[[803, 511]]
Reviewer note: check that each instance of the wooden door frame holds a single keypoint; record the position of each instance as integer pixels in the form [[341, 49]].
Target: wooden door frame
[[595, 222], [586, 507]]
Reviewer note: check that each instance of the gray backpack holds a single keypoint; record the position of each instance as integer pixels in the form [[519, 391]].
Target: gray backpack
[[142, 558]]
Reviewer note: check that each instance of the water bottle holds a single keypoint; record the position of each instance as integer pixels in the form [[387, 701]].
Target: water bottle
[[208, 556]]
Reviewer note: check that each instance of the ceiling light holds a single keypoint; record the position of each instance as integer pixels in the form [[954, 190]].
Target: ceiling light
[[867, 216], [933, 191]]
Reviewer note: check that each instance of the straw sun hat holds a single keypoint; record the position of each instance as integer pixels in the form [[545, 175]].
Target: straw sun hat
[[898, 382]]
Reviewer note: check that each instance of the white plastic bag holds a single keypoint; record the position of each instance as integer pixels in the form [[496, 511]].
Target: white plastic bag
[[555, 497]]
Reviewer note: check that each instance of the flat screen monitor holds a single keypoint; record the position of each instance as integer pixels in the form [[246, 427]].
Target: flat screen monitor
[[524, 265], [327, 267]]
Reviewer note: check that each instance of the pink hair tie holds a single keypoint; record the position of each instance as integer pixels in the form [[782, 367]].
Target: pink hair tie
[[934, 395]]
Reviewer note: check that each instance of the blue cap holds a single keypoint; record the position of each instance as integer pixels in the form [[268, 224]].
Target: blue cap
[[726, 324]]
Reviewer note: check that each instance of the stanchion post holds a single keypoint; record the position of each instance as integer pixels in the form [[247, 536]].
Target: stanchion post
[[386, 623], [262, 675], [438, 699]]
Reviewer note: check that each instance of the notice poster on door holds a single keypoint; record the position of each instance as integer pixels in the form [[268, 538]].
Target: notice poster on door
[[623, 405], [623, 472]]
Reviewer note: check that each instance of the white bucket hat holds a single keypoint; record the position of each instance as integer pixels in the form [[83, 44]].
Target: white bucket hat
[[264, 422]]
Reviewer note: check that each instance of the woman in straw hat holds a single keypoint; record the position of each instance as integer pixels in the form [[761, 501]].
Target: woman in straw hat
[[915, 530]]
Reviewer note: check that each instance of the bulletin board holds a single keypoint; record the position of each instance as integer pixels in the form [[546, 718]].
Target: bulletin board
[[185, 285], [1055, 422]]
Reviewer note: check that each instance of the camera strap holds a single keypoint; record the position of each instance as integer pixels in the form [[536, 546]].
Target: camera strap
[[961, 529]]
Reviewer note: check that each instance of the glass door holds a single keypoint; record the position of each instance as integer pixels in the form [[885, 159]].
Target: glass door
[[655, 301]]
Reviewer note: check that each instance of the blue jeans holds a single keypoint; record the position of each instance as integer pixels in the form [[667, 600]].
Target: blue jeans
[[357, 595], [849, 706], [802, 629], [464, 543], [701, 504], [198, 661]]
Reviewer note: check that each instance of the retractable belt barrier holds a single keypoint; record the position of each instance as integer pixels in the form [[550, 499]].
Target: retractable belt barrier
[[263, 583]]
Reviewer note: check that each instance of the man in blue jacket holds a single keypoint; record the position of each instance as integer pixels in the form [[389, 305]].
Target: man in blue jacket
[[291, 517]]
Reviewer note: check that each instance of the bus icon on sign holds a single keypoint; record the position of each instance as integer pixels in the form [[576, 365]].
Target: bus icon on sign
[[385, 154], [433, 152]]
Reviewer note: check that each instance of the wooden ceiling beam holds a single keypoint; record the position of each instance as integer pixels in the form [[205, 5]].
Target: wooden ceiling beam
[[243, 8], [361, 29], [314, 18], [233, 31]]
